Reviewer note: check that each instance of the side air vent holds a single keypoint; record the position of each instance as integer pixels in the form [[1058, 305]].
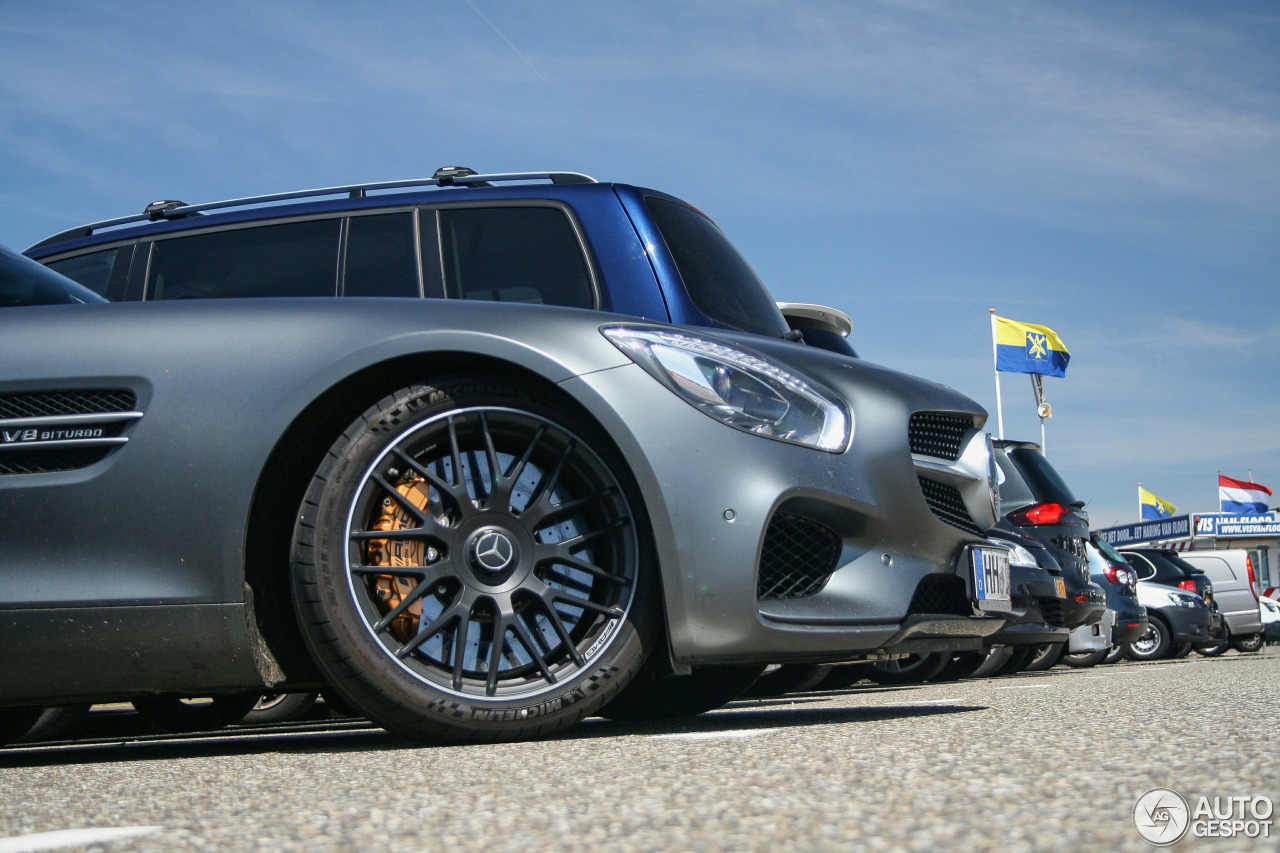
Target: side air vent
[[798, 558], [49, 431], [941, 594], [946, 504], [938, 434]]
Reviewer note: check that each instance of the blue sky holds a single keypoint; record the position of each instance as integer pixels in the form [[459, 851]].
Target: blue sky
[[1111, 170]]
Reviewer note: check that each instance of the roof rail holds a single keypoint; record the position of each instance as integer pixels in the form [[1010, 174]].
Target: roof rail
[[445, 177]]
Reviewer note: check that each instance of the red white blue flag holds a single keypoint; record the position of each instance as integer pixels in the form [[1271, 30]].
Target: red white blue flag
[[1241, 497]]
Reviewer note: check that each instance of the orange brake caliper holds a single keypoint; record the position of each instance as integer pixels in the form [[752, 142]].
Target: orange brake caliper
[[389, 590]]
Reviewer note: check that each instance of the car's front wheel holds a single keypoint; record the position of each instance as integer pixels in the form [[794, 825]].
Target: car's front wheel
[[1152, 645], [472, 563]]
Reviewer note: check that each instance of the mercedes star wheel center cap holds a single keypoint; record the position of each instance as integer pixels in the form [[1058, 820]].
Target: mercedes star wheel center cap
[[493, 551]]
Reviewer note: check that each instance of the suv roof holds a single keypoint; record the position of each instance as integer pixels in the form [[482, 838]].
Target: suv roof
[[444, 177]]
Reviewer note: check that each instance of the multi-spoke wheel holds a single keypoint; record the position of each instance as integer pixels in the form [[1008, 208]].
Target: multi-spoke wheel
[[472, 563], [1249, 644], [1152, 645]]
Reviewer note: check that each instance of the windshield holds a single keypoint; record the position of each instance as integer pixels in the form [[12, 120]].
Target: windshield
[[25, 282], [717, 278]]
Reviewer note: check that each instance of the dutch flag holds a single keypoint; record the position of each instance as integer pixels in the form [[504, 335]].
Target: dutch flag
[[1240, 497]]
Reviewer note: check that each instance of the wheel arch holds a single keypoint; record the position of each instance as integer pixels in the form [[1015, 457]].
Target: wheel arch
[[299, 452]]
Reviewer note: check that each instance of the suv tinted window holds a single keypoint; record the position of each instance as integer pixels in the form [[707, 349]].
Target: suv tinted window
[[514, 254], [96, 270], [293, 259], [718, 279], [1014, 491], [381, 257], [1044, 482]]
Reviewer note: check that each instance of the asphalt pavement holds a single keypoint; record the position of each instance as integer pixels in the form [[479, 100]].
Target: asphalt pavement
[[1041, 761]]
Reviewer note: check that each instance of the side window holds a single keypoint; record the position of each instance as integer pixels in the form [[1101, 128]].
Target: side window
[[514, 254], [1142, 566], [102, 272], [294, 259], [381, 257]]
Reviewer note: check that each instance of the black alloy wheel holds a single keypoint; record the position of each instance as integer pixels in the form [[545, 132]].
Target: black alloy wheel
[[1152, 645], [1114, 654], [472, 563], [1213, 651]]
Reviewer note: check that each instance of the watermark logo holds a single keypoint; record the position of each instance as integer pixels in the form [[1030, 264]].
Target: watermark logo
[[1162, 817]]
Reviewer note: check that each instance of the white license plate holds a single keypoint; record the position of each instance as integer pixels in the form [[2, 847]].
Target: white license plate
[[991, 578]]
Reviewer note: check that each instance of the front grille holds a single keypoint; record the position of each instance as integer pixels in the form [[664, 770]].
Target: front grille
[[945, 502], [52, 403], [939, 434], [798, 557], [1051, 611], [941, 594]]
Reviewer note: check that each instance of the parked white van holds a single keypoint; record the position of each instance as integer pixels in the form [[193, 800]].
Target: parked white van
[[1235, 590]]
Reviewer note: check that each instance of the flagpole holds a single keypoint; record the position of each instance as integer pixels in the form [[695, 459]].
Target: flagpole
[[1139, 502], [995, 361]]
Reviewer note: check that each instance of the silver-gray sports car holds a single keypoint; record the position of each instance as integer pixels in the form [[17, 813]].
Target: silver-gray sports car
[[470, 520]]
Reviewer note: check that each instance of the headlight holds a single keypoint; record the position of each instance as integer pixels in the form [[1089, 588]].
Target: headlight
[[1181, 599], [745, 391], [1018, 556]]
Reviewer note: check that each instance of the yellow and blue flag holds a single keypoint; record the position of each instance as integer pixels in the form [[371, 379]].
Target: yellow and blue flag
[[1028, 348], [1154, 507]]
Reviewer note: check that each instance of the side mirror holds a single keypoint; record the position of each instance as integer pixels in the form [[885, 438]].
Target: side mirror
[[819, 326]]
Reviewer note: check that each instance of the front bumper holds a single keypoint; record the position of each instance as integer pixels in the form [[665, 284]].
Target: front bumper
[[1190, 624], [720, 500], [1036, 617]]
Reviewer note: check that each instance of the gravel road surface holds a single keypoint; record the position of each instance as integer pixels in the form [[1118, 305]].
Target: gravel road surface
[[1043, 761]]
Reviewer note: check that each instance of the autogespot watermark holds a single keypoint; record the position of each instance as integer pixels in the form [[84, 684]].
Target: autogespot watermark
[[1163, 817]]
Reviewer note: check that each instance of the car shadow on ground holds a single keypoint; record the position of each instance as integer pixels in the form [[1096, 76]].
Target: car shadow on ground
[[117, 738]]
